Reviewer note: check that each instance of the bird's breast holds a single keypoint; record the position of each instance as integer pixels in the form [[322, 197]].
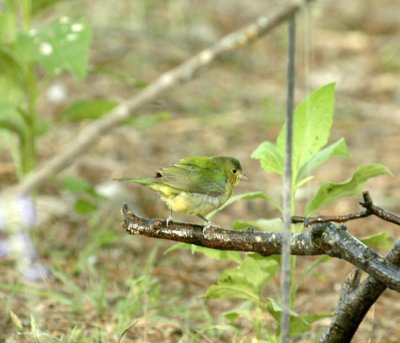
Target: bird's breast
[[194, 203]]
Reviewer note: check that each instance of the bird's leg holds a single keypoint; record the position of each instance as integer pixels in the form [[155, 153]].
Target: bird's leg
[[169, 217], [207, 222]]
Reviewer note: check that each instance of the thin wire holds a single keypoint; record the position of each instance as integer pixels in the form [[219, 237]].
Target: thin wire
[[287, 184]]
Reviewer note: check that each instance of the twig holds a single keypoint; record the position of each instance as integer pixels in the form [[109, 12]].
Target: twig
[[370, 209], [183, 73], [355, 300], [379, 211], [324, 238], [307, 221]]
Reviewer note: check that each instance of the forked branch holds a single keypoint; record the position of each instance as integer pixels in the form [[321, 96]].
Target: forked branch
[[355, 300], [370, 209], [325, 238]]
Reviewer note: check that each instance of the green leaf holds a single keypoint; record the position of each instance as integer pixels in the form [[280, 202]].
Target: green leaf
[[218, 254], [246, 196], [213, 253], [235, 288], [270, 158], [77, 185], [298, 323], [10, 92], [232, 315], [11, 119], [244, 310], [378, 240], [304, 181], [144, 122], [88, 109], [177, 246], [10, 66], [258, 269], [41, 127], [330, 191], [41, 5], [312, 123], [336, 149], [74, 184], [83, 206], [311, 318], [245, 281], [7, 22], [88, 197], [62, 45]]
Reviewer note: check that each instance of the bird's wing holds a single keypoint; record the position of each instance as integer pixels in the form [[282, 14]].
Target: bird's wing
[[193, 178]]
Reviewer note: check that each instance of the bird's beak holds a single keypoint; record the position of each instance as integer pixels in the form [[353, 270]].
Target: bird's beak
[[244, 177]]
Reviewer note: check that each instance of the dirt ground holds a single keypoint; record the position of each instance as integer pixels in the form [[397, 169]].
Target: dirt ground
[[228, 110]]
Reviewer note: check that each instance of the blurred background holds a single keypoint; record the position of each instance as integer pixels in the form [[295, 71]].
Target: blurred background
[[103, 280]]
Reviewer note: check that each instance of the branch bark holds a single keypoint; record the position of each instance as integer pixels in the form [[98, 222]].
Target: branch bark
[[338, 242], [183, 73], [324, 238], [264, 243], [355, 300], [370, 209]]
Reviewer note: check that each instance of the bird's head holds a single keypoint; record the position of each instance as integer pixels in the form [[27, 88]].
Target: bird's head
[[232, 169]]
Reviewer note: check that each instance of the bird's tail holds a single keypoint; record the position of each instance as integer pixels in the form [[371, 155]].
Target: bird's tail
[[153, 184], [144, 182]]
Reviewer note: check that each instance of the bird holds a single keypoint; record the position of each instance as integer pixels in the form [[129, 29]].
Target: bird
[[196, 185]]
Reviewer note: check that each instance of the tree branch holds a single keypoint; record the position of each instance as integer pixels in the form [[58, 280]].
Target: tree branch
[[379, 211], [183, 73], [338, 242], [324, 238], [370, 209], [355, 300], [264, 243]]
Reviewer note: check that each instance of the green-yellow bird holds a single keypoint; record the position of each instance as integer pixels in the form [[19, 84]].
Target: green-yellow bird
[[196, 185]]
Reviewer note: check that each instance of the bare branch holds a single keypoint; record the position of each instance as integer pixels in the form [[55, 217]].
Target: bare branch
[[307, 221], [355, 300], [264, 243], [324, 238], [338, 242], [183, 73], [370, 209], [379, 211]]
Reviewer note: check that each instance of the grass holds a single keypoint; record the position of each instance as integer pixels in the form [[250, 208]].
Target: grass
[[109, 286], [103, 291]]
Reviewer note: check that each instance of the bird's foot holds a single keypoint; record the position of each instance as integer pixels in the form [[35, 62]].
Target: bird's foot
[[169, 217], [208, 225]]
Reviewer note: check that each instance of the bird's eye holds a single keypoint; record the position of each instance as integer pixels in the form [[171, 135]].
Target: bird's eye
[[234, 171]]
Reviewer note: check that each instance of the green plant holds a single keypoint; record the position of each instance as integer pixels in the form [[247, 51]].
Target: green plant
[[312, 123], [31, 55], [29, 58], [87, 198]]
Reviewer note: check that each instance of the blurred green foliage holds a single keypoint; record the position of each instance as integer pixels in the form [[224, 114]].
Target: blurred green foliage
[[25, 53]]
